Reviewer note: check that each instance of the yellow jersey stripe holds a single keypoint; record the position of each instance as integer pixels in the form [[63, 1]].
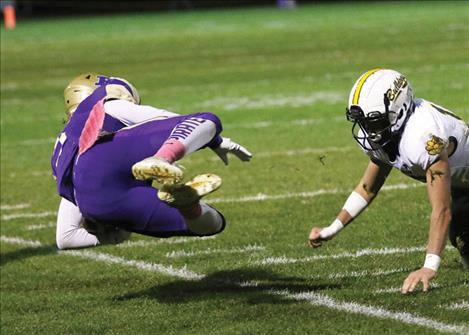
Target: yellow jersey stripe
[[358, 89]]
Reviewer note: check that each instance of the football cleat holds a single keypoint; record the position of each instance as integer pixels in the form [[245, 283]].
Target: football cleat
[[185, 195], [160, 170]]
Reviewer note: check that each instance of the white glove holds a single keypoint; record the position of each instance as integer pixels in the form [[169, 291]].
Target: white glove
[[228, 146]]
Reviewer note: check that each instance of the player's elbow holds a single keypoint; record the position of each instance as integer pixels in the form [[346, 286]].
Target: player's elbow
[[61, 242], [74, 238], [64, 240]]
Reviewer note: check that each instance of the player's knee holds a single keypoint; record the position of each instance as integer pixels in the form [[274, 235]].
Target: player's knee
[[210, 222], [459, 227]]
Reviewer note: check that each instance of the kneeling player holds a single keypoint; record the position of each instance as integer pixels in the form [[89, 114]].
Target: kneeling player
[[424, 141]]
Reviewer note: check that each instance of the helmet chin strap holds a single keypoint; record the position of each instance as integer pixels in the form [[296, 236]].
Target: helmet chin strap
[[375, 137]]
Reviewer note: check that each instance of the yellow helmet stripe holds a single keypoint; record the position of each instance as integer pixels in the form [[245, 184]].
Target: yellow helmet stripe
[[362, 80]]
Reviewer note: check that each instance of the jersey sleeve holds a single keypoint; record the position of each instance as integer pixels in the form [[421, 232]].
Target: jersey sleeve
[[426, 149], [131, 114]]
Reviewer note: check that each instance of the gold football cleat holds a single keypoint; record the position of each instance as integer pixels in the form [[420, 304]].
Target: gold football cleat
[[185, 195], [154, 168]]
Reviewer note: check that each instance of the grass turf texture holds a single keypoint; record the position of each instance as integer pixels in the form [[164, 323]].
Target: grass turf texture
[[279, 80]]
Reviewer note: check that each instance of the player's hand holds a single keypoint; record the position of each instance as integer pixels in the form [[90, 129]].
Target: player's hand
[[315, 240], [423, 275], [229, 146]]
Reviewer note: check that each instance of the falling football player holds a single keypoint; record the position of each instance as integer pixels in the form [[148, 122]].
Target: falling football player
[[110, 152]]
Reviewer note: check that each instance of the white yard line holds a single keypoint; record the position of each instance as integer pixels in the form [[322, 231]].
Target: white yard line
[[272, 123], [464, 304], [356, 254], [31, 174], [171, 271], [151, 267], [38, 141], [264, 197], [15, 206], [309, 194], [366, 273], [398, 289], [28, 215], [209, 251], [277, 100], [41, 226], [351, 307], [173, 240], [32, 142], [313, 298], [20, 241]]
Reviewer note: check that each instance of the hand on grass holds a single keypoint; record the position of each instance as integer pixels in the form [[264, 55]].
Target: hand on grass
[[315, 240], [423, 275]]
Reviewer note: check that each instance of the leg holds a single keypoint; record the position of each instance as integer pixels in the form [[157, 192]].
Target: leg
[[190, 134], [193, 133], [107, 192], [459, 228], [209, 222]]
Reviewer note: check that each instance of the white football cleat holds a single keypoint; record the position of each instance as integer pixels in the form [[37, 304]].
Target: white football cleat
[[158, 169], [185, 195]]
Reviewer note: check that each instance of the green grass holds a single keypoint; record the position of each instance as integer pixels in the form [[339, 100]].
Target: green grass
[[248, 66]]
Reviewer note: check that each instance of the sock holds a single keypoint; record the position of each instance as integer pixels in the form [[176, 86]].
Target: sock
[[193, 133], [208, 222], [171, 150]]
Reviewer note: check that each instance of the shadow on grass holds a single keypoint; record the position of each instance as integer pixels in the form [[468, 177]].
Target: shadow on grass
[[24, 253], [258, 283]]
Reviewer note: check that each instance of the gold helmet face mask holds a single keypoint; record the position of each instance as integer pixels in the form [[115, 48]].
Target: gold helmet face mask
[[84, 85]]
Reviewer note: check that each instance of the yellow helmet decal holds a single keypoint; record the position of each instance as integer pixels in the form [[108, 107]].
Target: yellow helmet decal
[[362, 80]]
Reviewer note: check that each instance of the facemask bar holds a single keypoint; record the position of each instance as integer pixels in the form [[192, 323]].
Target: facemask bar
[[374, 130]]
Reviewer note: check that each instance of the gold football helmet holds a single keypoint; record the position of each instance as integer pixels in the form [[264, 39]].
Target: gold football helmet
[[82, 86]]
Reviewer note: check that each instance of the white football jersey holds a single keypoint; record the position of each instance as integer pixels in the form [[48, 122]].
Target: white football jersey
[[429, 130]]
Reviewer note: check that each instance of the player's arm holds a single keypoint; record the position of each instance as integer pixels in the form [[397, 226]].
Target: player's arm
[[439, 193], [373, 179], [130, 114], [70, 233]]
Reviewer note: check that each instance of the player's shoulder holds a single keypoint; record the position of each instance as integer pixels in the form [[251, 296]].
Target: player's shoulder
[[422, 139]]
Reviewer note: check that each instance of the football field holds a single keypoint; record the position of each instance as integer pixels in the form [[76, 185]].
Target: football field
[[279, 80]]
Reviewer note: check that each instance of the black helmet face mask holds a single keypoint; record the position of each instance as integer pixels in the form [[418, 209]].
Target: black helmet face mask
[[372, 131]]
